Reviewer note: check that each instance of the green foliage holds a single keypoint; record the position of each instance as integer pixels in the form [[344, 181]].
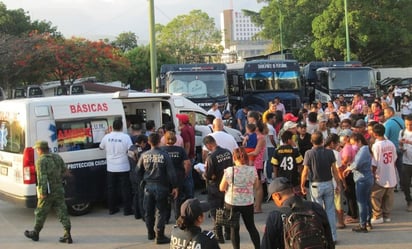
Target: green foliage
[[295, 18], [380, 30], [139, 57], [125, 41], [189, 36], [13, 22]]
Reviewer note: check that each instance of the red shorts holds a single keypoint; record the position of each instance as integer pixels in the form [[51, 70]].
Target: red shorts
[[251, 158]]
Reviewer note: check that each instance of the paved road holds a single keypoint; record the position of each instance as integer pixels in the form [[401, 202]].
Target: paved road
[[100, 230]]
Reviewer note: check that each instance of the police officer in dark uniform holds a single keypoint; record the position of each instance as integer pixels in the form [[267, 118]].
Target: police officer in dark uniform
[[187, 233], [158, 174], [182, 166], [50, 170], [139, 146], [216, 162]]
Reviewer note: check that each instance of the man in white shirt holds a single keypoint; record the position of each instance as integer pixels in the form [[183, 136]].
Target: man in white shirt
[[271, 142], [383, 167], [214, 110], [117, 144], [223, 139], [279, 106], [343, 112], [397, 92], [405, 145]]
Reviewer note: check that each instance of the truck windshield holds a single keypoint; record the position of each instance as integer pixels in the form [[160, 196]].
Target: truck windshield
[[197, 85], [261, 81], [351, 79]]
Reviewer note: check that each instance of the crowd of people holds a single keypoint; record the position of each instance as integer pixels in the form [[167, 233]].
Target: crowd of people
[[345, 152]]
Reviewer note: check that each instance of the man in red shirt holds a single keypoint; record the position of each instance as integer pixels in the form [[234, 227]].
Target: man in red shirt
[[187, 132]]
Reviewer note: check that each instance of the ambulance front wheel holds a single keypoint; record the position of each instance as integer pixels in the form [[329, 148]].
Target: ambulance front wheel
[[78, 209]]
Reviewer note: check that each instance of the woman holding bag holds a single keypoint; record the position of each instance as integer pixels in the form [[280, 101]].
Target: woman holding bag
[[239, 195]]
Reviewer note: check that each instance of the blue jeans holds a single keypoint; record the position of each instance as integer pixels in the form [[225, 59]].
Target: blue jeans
[[363, 197], [323, 193], [188, 185]]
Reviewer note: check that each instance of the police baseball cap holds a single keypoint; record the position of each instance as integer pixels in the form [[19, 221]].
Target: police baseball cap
[[193, 208], [278, 185]]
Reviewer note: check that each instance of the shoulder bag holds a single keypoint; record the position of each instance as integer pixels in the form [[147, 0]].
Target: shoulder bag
[[225, 216]]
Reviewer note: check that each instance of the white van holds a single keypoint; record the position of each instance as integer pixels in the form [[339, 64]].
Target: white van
[[74, 126]]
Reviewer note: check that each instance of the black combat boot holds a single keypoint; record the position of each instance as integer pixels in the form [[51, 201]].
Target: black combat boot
[[161, 238], [67, 237], [151, 235], [34, 235]]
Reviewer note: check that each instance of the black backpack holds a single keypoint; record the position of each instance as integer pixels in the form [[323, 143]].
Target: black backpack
[[302, 229]]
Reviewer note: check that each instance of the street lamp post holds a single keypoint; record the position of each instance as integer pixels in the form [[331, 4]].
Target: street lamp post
[[347, 31]]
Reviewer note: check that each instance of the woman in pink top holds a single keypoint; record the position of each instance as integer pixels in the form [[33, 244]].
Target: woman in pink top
[[239, 195], [254, 117]]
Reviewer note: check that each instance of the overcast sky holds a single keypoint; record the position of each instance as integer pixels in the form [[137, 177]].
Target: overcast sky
[[108, 18]]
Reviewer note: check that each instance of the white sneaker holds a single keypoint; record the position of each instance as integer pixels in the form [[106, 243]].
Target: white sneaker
[[386, 219], [377, 221]]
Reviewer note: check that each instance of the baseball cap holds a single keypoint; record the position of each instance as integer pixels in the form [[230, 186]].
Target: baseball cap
[[289, 125], [345, 133], [183, 117], [290, 117], [278, 185], [41, 145], [360, 123], [193, 208]]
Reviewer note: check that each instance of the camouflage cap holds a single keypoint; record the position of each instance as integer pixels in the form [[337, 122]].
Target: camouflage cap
[[41, 145]]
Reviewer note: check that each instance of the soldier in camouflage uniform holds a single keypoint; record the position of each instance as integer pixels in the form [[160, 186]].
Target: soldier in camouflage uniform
[[50, 169]]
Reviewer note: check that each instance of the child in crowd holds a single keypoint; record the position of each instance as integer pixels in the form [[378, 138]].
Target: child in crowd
[[250, 141]]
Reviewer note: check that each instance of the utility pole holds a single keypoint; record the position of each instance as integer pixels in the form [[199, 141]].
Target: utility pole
[[153, 57], [347, 31]]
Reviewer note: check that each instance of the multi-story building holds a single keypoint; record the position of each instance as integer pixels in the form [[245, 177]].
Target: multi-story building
[[239, 37]]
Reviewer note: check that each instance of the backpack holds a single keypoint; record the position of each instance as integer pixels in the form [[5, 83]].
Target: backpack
[[302, 229]]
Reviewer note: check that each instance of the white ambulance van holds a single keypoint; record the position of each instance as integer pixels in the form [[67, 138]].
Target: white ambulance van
[[74, 126]]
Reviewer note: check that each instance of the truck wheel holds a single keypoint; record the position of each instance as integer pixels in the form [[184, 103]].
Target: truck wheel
[[78, 209]]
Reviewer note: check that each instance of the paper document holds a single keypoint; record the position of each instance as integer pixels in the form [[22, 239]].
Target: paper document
[[200, 167]]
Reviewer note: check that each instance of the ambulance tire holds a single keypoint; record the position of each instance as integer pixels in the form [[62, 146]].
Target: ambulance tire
[[78, 209]]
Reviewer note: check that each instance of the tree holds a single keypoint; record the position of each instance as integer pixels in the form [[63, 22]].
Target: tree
[[77, 57], [139, 57], [189, 36], [45, 27], [294, 18], [380, 32], [125, 41], [23, 59], [13, 22]]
